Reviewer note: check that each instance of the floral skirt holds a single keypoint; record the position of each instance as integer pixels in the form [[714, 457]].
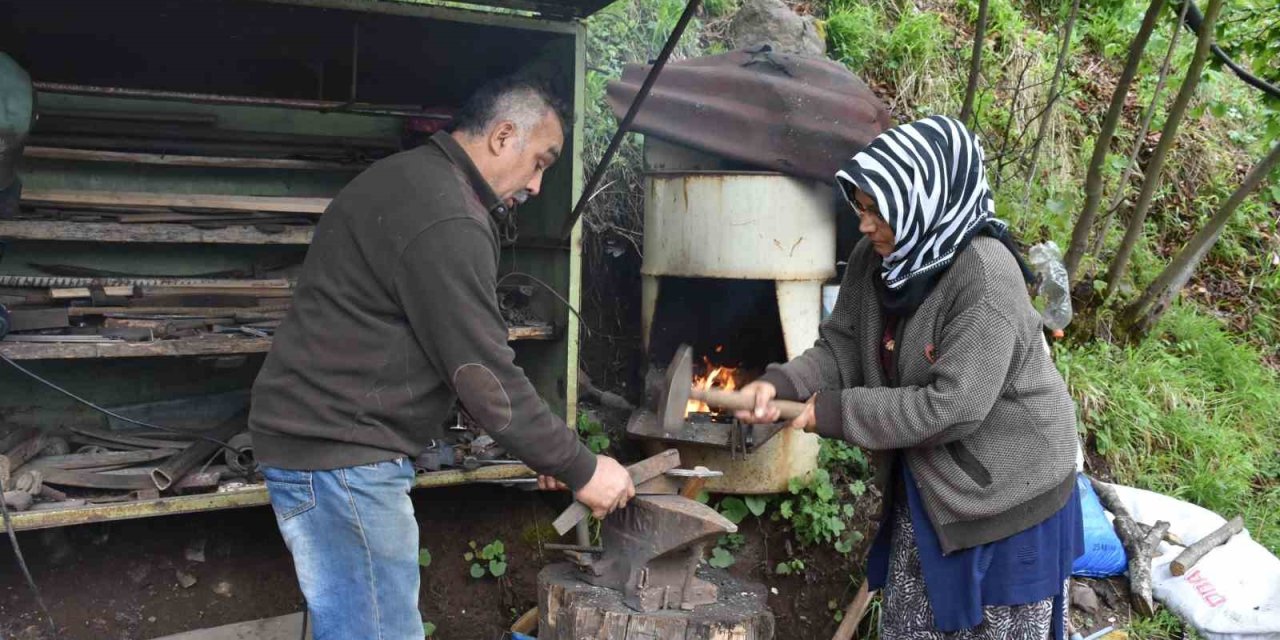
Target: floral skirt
[[907, 615]]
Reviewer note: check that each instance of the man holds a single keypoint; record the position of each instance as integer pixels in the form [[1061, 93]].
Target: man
[[396, 316]]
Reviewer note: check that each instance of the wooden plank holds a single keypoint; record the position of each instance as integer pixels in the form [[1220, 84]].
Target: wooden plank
[[129, 157], [193, 312], [75, 293], [115, 232], [531, 333], [198, 346], [203, 345], [216, 202]]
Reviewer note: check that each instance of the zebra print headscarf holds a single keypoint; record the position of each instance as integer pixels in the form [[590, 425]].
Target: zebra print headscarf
[[928, 181]]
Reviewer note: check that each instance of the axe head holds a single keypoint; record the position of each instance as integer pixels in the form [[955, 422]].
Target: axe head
[[678, 383]]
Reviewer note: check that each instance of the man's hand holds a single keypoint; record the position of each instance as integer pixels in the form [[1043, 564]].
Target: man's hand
[[764, 413], [609, 488], [547, 483]]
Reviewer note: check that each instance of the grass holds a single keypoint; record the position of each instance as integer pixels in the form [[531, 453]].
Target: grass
[[1189, 413]]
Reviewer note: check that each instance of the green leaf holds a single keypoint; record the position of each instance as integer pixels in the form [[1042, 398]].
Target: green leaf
[[848, 510], [844, 546], [703, 497], [598, 443], [839, 616], [424, 558], [477, 571], [783, 569], [734, 509], [428, 628], [473, 544], [498, 547], [497, 568], [1275, 192], [468, 556], [720, 558], [756, 505], [1218, 109], [785, 509]]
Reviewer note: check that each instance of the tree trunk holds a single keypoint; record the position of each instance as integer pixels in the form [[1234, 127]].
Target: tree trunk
[[1093, 181], [1055, 86], [1142, 315], [1100, 236], [1133, 233], [975, 62]]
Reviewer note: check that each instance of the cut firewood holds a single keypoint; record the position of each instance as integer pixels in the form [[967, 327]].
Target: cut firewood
[[1192, 554], [853, 614], [1135, 541]]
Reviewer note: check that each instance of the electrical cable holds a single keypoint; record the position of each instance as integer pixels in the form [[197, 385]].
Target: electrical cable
[[107, 412], [22, 562], [304, 622]]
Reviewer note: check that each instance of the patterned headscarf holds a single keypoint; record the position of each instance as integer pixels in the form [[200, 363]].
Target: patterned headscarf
[[929, 184]]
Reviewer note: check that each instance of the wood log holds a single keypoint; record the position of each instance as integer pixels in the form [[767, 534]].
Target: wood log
[[569, 609], [1135, 546], [155, 200], [196, 312], [75, 293], [1192, 554], [526, 623], [19, 454]]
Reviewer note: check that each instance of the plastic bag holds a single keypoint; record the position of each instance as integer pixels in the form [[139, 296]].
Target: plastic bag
[[1103, 552], [1054, 288]]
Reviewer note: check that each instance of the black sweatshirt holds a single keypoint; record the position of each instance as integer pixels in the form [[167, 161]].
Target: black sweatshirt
[[394, 318]]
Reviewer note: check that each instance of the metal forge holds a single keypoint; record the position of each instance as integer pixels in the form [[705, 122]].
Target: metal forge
[[734, 263], [646, 575]]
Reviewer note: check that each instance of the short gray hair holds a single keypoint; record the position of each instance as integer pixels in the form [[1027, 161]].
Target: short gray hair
[[523, 101]]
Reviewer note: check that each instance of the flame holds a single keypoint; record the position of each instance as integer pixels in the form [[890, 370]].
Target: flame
[[719, 377]]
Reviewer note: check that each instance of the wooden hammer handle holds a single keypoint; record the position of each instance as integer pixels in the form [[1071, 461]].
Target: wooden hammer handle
[[739, 401]]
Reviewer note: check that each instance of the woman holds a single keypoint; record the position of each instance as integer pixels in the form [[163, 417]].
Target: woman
[[934, 359]]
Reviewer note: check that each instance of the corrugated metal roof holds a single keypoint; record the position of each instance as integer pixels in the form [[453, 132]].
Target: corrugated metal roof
[[795, 114]]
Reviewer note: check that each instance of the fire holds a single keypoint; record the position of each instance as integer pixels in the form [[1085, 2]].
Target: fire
[[718, 377]]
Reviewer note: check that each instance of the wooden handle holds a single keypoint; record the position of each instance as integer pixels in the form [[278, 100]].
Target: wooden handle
[[739, 401]]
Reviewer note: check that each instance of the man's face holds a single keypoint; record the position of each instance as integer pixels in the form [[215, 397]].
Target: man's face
[[521, 158]]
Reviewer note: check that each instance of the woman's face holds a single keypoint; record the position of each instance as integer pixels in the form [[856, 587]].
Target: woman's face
[[872, 225]]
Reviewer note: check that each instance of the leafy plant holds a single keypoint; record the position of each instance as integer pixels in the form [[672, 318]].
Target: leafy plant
[[721, 558], [490, 560], [790, 567], [428, 628], [424, 558], [734, 509], [597, 439]]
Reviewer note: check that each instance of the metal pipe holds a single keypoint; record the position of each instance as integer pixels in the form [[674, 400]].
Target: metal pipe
[[210, 98], [634, 109], [169, 473]]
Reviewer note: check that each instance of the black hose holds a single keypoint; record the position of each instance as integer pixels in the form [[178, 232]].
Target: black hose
[[22, 562], [1194, 20]]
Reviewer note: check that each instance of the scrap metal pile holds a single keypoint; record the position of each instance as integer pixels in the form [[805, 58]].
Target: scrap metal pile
[[83, 465]]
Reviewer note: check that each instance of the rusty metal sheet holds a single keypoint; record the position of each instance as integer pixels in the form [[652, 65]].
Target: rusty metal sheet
[[795, 114]]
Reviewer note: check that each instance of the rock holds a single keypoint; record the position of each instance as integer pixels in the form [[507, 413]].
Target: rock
[[195, 550], [151, 619], [186, 580], [223, 588], [1084, 598], [773, 22]]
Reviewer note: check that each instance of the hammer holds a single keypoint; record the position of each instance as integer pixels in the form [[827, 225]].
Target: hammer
[[679, 390]]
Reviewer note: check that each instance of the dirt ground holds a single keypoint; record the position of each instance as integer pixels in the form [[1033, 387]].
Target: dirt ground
[[120, 581]]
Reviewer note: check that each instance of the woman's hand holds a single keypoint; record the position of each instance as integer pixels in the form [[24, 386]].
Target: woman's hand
[[808, 419], [763, 394]]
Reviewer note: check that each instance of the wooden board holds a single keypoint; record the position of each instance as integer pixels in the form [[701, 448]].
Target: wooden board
[[115, 232], [570, 609], [129, 157], [207, 345], [154, 200]]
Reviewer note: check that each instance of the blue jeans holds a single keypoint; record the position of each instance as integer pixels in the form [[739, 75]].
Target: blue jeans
[[354, 542]]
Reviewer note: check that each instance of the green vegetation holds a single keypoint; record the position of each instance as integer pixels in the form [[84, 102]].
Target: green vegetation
[[489, 560]]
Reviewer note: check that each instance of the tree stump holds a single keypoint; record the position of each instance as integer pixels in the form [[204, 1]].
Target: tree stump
[[571, 609]]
